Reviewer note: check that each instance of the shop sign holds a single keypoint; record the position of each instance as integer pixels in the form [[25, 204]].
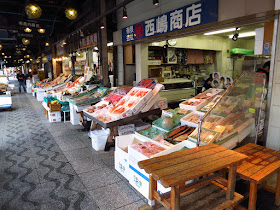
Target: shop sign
[[199, 13], [29, 24], [88, 40]]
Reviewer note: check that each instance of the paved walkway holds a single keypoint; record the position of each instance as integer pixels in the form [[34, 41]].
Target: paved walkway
[[52, 165]]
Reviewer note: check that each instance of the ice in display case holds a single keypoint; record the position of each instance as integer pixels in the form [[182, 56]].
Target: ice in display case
[[236, 114]]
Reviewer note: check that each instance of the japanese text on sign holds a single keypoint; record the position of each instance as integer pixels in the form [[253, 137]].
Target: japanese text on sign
[[89, 40], [202, 12]]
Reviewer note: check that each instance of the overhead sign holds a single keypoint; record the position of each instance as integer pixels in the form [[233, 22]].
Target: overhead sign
[[199, 13], [29, 24], [88, 40]]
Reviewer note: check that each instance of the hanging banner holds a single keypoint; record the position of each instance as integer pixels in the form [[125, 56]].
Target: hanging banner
[[199, 13], [88, 40]]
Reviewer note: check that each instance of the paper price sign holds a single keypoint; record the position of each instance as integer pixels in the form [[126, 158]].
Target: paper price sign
[[167, 114]]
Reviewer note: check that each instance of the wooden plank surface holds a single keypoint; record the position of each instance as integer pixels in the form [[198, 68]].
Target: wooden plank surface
[[261, 162], [191, 164], [187, 159], [144, 163], [191, 173]]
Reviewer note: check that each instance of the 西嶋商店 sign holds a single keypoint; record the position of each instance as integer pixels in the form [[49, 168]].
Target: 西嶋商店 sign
[[198, 13]]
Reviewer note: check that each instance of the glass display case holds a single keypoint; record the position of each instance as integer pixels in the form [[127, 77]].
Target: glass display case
[[236, 114]]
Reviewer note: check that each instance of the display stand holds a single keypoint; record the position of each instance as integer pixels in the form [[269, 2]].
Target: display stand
[[236, 114], [114, 125]]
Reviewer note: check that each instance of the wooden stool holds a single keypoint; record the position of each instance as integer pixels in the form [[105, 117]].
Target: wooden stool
[[261, 163], [175, 169]]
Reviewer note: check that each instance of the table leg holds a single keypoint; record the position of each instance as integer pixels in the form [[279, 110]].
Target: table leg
[[152, 187], [93, 125], [253, 196], [277, 194], [231, 182], [175, 198]]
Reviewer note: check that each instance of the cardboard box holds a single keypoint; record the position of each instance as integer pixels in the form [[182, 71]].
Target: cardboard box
[[54, 107]]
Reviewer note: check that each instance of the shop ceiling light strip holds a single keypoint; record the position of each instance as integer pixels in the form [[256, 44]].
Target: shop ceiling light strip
[[247, 34], [221, 31]]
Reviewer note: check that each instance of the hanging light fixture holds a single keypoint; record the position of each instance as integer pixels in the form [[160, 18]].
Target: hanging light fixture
[[33, 11], [25, 41], [156, 2], [1, 47], [41, 30], [124, 12], [47, 44], [71, 13], [102, 26], [27, 30]]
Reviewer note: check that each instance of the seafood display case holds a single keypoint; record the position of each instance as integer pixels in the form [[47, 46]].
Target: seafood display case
[[236, 114]]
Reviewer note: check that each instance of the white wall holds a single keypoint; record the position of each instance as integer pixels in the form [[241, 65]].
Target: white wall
[[216, 43]]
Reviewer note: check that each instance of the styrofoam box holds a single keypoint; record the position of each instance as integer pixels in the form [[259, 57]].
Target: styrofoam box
[[121, 153], [184, 122], [161, 103], [54, 114], [211, 93], [193, 108], [55, 119], [151, 103]]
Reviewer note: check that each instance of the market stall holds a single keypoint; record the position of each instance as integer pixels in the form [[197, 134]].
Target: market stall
[[212, 117]]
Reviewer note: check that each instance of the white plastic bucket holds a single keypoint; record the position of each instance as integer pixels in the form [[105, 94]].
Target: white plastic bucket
[[99, 138]]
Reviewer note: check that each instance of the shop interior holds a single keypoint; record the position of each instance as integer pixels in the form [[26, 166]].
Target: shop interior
[[183, 64]]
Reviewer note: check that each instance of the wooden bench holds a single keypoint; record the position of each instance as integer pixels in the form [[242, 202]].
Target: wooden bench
[[175, 169], [261, 163]]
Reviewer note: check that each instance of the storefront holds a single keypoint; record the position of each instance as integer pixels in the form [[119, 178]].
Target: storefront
[[183, 46]]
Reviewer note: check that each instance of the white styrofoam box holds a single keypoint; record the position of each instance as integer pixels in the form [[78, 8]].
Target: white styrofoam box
[[211, 93], [161, 103], [121, 153], [139, 179], [193, 108], [40, 94], [54, 114], [126, 129], [151, 103], [29, 90], [74, 121], [191, 124], [54, 119]]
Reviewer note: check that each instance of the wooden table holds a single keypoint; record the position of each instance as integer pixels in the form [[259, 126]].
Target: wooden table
[[261, 163], [175, 169]]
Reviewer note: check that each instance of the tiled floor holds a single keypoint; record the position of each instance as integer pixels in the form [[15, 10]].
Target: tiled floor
[[52, 165]]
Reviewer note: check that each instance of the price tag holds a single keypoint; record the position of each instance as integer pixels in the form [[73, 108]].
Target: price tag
[[167, 114], [251, 110]]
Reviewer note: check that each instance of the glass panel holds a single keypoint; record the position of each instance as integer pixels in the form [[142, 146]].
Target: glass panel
[[236, 114]]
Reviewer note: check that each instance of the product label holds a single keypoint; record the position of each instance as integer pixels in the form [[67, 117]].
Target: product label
[[251, 110]]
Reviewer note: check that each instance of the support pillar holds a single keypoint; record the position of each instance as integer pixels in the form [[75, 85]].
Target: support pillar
[[141, 61]]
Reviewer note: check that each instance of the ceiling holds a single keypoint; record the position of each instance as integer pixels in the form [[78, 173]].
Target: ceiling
[[53, 20]]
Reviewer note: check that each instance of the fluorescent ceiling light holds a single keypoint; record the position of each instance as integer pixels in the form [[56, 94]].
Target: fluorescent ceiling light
[[247, 34], [221, 31], [110, 44]]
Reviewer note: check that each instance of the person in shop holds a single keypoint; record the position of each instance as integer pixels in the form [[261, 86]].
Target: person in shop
[[21, 78], [265, 70], [207, 84]]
